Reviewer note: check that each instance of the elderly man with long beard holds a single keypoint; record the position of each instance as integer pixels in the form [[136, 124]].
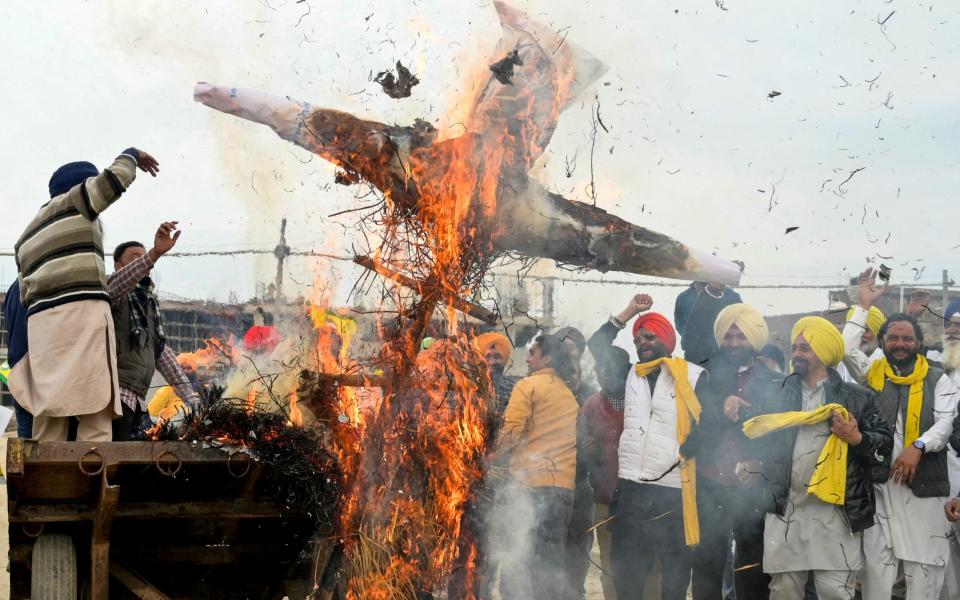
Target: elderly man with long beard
[[725, 488], [816, 467], [860, 332], [654, 510], [951, 365], [919, 402]]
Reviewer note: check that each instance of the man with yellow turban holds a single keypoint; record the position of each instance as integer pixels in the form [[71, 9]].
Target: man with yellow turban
[[824, 438], [862, 328], [919, 402], [737, 380]]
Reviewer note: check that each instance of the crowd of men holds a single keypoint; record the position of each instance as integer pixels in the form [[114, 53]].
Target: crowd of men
[[724, 472], [730, 473]]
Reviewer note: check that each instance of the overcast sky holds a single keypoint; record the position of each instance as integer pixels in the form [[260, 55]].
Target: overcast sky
[[694, 149]]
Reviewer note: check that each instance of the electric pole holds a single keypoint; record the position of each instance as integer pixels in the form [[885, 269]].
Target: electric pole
[[282, 251]]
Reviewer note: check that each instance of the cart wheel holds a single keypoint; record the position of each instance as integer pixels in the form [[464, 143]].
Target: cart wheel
[[54, 568]]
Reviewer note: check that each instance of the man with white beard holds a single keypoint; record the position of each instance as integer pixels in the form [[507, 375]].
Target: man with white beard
[[860, 332], [951, 366]]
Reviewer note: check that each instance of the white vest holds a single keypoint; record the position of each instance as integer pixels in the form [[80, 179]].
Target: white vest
[[648, 445]]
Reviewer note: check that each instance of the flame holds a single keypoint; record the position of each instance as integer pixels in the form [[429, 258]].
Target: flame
[[296, 418], [216, 354], [412, 466]]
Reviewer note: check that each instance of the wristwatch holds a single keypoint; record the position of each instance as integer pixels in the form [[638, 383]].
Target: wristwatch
[[920, 445]]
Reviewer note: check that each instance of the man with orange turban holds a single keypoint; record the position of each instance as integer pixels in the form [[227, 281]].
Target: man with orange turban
[[496, 348], [660, 407], [822, 441]]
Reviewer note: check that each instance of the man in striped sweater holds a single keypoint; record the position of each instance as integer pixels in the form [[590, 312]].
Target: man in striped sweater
[[70, 368]]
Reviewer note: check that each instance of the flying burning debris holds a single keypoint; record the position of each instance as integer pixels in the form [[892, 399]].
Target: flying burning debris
[[510, 126]]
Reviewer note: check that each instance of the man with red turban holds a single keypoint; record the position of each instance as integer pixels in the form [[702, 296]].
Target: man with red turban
[[654, 511]]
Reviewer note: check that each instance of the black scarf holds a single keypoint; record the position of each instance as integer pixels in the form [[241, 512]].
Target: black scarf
[[141, 300]]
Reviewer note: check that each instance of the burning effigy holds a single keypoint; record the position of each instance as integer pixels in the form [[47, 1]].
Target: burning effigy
[[409, 466]]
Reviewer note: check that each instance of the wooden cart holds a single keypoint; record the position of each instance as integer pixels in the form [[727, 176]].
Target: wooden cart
[[152, 520]]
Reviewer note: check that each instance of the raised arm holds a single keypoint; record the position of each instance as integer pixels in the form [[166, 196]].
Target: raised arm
[[96, 194], [122, 281], [855, 359], [601, 341]]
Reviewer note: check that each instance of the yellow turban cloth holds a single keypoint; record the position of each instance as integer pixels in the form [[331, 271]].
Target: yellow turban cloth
[[829, 481], [875, 319], [687, 406], [823, 337], [880, 371], [750, 322], [497, 340]]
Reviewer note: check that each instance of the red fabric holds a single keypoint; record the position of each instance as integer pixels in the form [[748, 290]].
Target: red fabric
[[602, 427], [659, 326], [261, 338]]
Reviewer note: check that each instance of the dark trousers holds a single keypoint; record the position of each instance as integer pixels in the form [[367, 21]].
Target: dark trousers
[[123, 426], [647, 526], [726, 509], [580, 540], [716, 505], [537, 572], [24, 421], [748, 576]]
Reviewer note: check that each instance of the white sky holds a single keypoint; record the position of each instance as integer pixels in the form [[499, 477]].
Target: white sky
[[694, 147]]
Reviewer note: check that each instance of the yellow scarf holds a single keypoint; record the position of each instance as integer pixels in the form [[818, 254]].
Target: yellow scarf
[[687, 406], [829, 481], [881, 370]]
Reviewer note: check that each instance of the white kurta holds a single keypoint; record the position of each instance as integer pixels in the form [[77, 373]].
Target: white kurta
[[951, 585], [856, 363], [812, 535], [916, 528]]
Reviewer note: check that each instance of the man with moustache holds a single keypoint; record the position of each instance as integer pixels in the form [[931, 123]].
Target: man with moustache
[[738, 380], [823, 437], [654, 511], [919, 402], [950, 357], [141, 343], [496, 349]]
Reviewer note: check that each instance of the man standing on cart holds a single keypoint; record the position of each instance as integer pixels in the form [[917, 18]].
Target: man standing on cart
[[70, 369]]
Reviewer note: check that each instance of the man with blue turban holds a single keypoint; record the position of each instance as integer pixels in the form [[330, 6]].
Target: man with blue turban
[[70, 368]]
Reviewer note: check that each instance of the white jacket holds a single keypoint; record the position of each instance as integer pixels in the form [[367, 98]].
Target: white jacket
[[648, 445]]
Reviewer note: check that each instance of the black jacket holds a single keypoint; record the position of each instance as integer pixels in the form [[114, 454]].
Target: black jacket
[[707, 438], [867, 462]]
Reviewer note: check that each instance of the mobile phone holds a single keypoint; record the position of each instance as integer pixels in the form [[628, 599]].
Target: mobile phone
[[884, 274]]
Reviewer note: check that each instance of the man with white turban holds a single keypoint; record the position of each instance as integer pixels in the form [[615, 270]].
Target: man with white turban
[[862, 328], [822, 438], [950, 358], [724, 488]]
